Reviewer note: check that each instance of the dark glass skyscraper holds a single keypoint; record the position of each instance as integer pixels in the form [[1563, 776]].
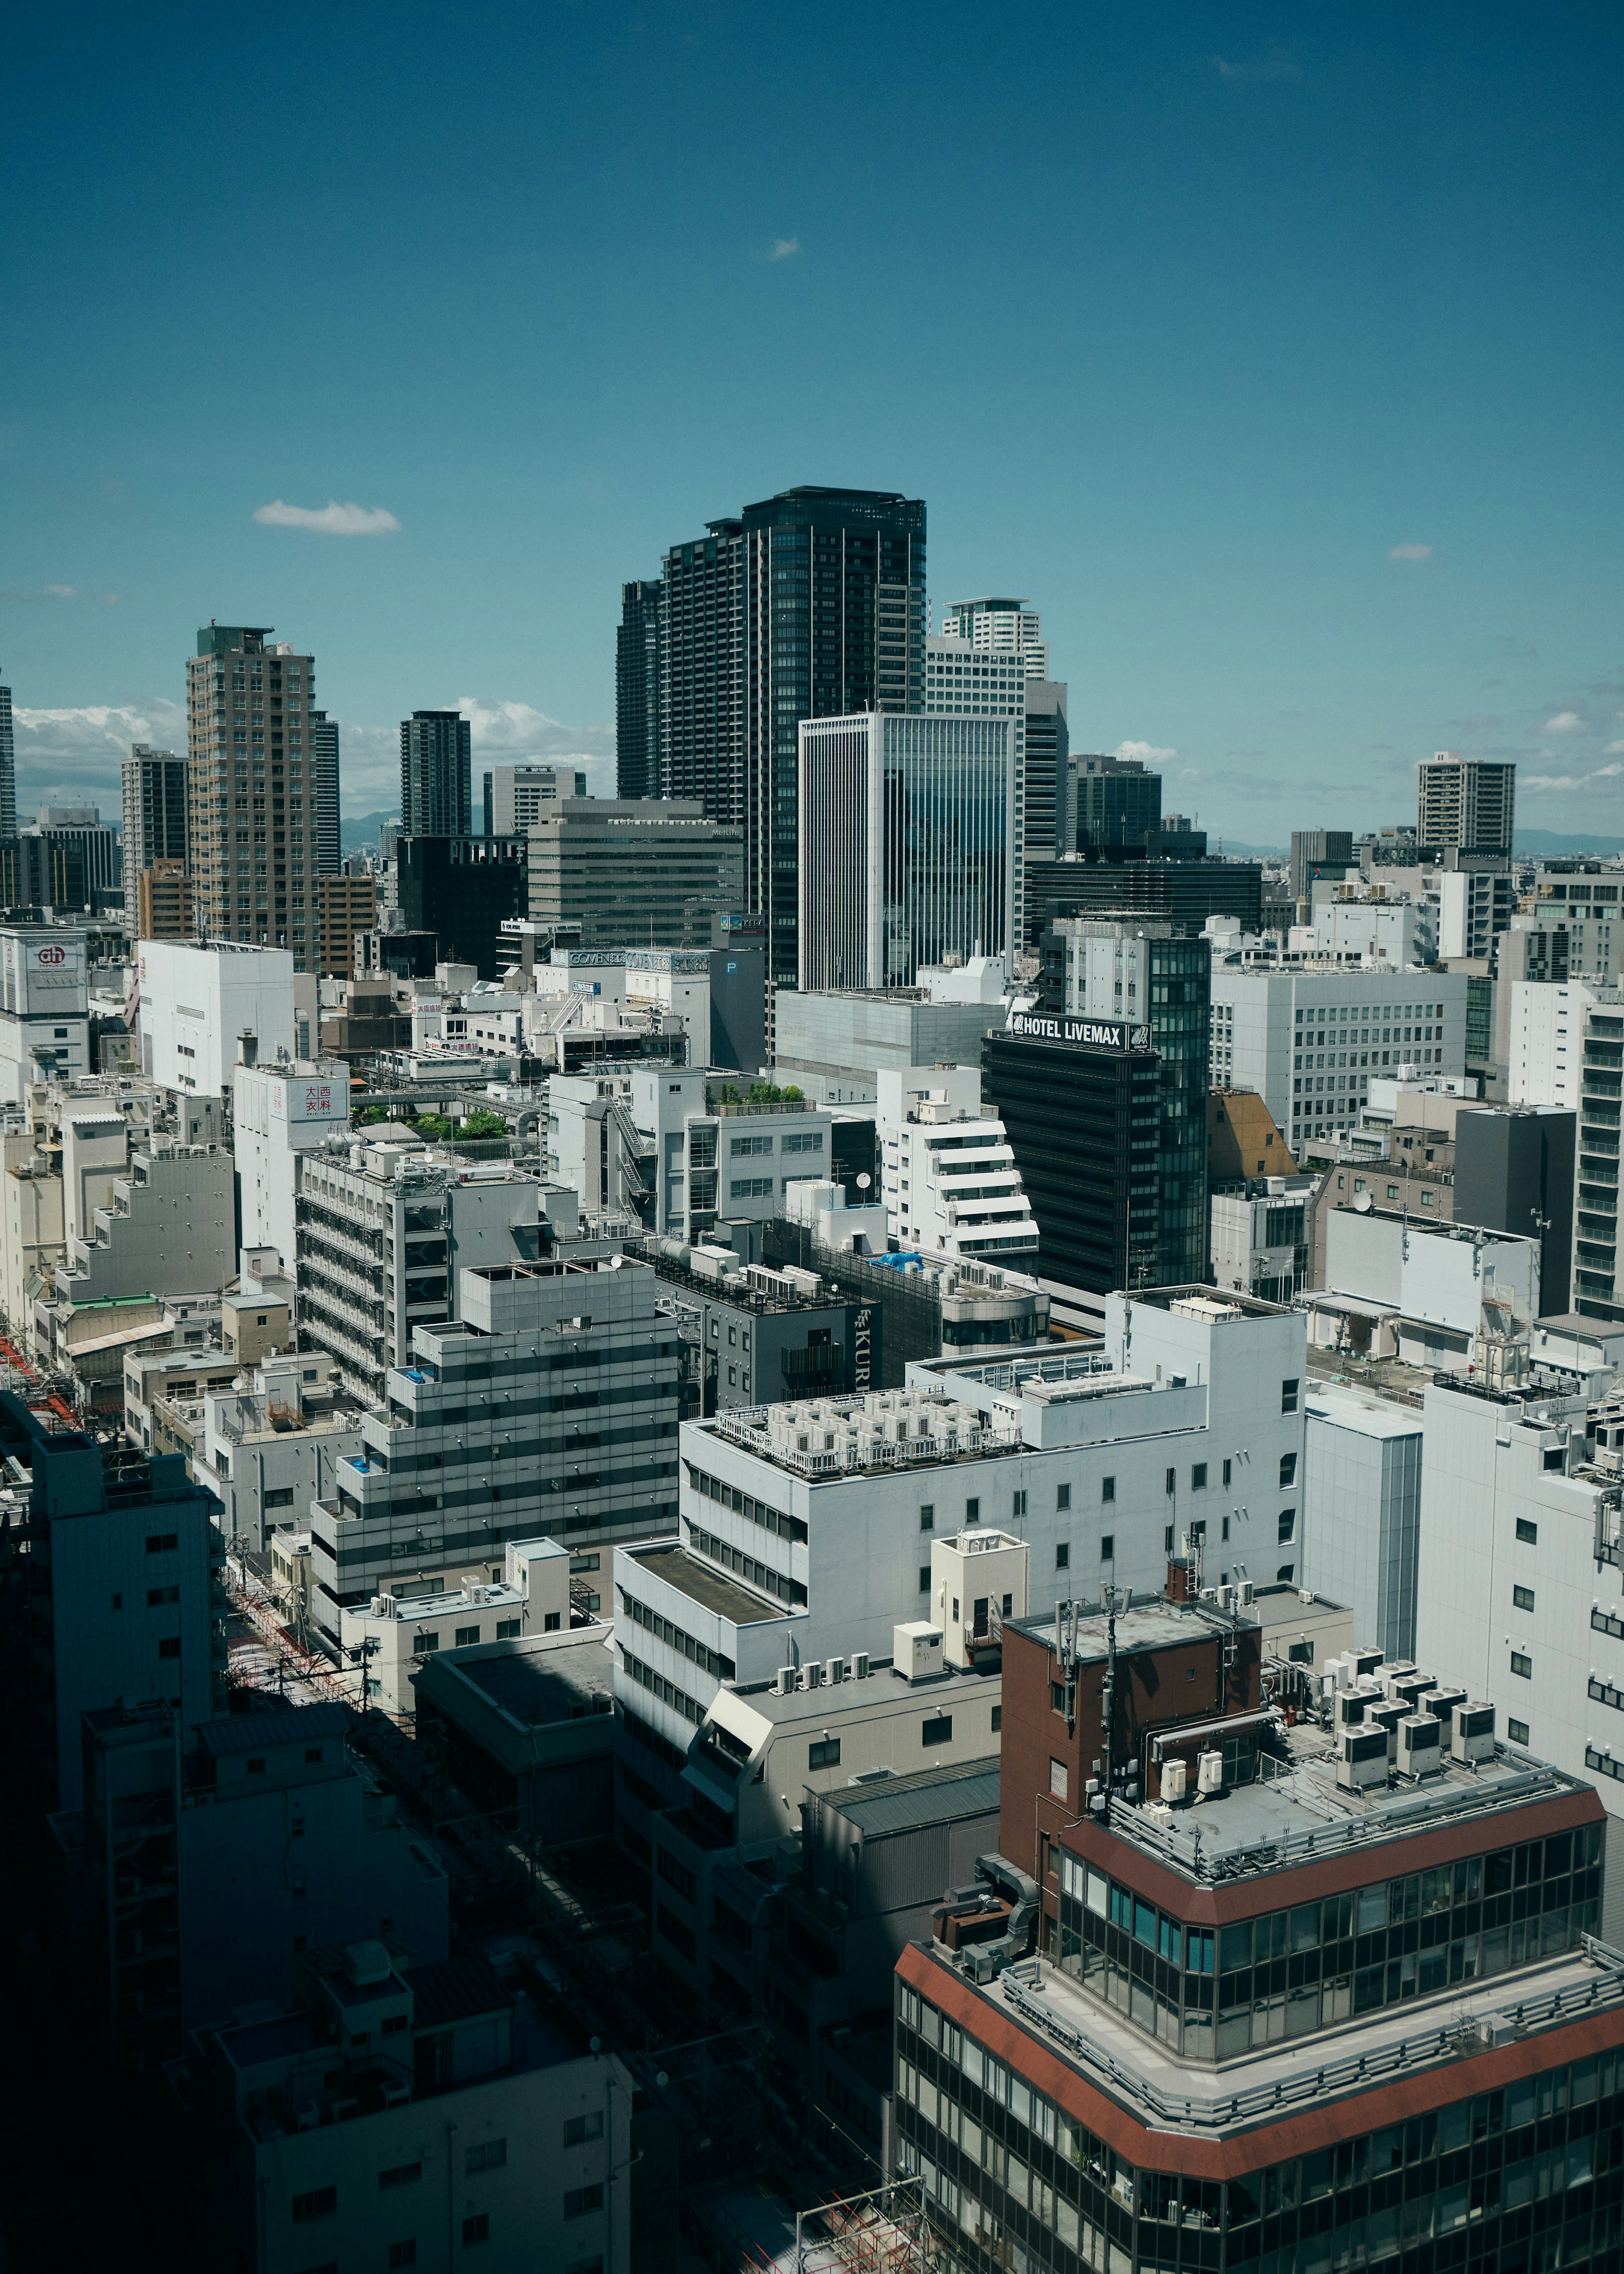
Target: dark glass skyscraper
[[1117, 801], [8, 768], [637, 690], [809, 605], [323, 733], [437, 773]]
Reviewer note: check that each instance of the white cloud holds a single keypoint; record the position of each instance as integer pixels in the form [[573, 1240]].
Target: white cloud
[[1275, 64], [504, 734], [1614, 747], [1564, 723], [331, 520], [71, 756], [1410, 552], [1149, 754], [784, 248], [1606, 773], [46, 592], [1551, 781]]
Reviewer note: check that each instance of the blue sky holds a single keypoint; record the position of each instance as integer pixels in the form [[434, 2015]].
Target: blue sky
[[1272, 352]]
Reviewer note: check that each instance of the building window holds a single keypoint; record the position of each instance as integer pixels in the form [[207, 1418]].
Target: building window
[[1288, 1468], [1057, 1778], [159, 1543], [1197, 1477], [938, 1730], [1063, 1556], [509, 1630], [1286, 1573], [1527, 1533], [1287, 1396], [1063, 1496], [581, 2199], [1108, 1548], [1523, 1664], [927, 1519], [1517, 1731], [403, 2253], [1556, 1457], [579, 2129], [972, 1511], [1167, 1541], [1108, 1488], [1287, 1524], [924, 1578], [478, 2229], [466, 1635], [399, 2175], [320, 2203], [1523, 1598], [1018, 1505], [823, 1753], [1172, 1482]]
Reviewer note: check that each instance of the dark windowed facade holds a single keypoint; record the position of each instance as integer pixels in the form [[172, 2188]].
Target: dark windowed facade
[[637, 690], [462, 889], [1118, 803], [437, 770]]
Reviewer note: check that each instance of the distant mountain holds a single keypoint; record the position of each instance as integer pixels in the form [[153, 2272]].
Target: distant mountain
[[357, 832], [1548, 843], [1247, 851]]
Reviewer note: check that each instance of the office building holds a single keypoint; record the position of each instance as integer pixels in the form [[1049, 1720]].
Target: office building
[[637, 691], [1001, 626], [841, 1038], [381, 1242], [1145, 984], [1312, 1041], [8, 767], [78, 831], [1519, 1577], [44, 1008], [265, 1442], [754, 1335], [496, 1430], [1100, 2008], [527, 1723], [718, 993], [1049, 786], [1371, 925], [397, 2106], [254, 826], [206, 1008], [281, 1109], [947, 1177], [808, 1531], [660, 865], [808, 604], [463, 889], [109, 1596], [165, 904], [1515, 1171], [1262, 1234], [908, 827], [322, 742], [1317, 854], [1118, 803], [155, 816], [1466, 805], [1184, 891], [1361, 1508], [1576, 910], [346, 907], [1564, 1050], [437, 757], [514, 795], [963, 680]]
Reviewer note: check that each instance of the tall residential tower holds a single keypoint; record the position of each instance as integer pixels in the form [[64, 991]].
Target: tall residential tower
[[8, 768], [252, 825], [155, 814], [437, 765]]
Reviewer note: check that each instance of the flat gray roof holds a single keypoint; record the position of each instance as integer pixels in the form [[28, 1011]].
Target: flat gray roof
[[906, 1803], [707, 1588]]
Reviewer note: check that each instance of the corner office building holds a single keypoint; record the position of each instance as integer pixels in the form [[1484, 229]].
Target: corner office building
[[1301, 2021]]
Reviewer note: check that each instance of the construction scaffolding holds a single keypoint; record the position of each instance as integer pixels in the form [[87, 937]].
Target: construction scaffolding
[[883, 2231]]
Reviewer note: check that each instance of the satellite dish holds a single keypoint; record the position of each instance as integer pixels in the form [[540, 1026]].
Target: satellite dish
[[863, 1183]]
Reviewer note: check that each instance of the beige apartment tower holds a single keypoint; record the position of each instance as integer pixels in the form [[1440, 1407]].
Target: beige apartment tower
[[1466, 804], [257, 808]]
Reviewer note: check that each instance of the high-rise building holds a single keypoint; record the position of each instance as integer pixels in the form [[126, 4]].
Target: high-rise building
[[322, 734], [437, 760], [77, 833], [658, 870], [947, 1175], [462, 889], [907, 828], [164, 908], [1320, 853], [345, 906], [253, 831], [1118, 801], [8, 767], [514, 796], [1466, 804], [1009, 626], [155, 816], [637, 691], [1049, 785], [809, 605], [963, 680]]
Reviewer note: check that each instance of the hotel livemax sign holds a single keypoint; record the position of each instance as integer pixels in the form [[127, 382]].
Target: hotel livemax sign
[[1082, 1034]]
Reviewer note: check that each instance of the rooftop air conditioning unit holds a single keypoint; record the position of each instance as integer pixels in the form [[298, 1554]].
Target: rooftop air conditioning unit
[[1387, 1717], [1443, 1704], [1174, 1779], [1226, 1599], [1420, 1746], [860, 1666], [1411, 1688], [785, 1681], [1209, 1772], [834, 1669], [1363, 1662], [1472, 1734], [1391, 1676], [395, 2095], [1158, 1811], [1351, 1708], [1244, 1595], [1361, 1759], [811, 1675], [306, 2116], [1338, 1674]]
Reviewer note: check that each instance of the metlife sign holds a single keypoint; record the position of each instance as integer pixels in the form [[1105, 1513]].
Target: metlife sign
[[1082, 1034]]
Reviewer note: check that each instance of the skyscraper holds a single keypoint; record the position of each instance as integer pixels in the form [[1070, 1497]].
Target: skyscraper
[[155, 816], [437, 764], [1009, 626], [637, 690], [1466, 804], [1118, 800], [251, 789], [323, 733], [967, 681], [514, 796], [8, 768], [809, 605]]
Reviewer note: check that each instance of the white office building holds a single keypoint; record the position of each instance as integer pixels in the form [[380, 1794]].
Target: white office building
[[44, 1008], [1362, 1510], [516, 795], [807, 1529], [1547, 1040], [988, 672], [1520, 1596], [1310, 1041], [1369, 925], [909, 841], [947, 1172], [1260, 1236], [204, 1010], [1001, 626], [280, 1111], [1438, 1296]]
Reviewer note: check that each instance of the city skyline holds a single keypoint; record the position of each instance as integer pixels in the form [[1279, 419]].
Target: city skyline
[[1305, 453]]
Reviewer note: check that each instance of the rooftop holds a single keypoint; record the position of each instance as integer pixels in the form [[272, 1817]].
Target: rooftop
[[907, 1804], [712, 1591], [1152, 1624], [880, 1429]]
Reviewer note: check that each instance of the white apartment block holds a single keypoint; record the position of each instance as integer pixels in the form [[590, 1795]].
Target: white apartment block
[[947, 1173], [1520, 1602], [1002, 627], [278, 1112], [808, 1531], [1311, 1041], [1353, 925]]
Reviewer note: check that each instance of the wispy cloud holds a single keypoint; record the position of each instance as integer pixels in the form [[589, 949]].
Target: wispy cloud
[[784, 248], [27, 594], [1410, 552], [1274, 63], [1564, 722], [329, 520], [1149, 754], [1551, 781], [1606, 774]]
